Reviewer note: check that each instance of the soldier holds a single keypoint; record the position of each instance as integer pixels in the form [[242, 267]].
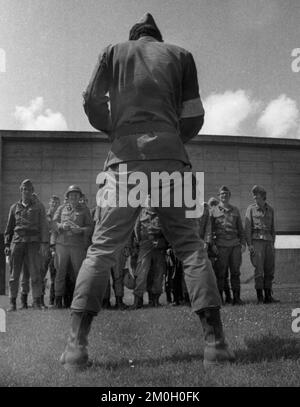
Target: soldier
[[152, 245], [27, 242], [73, 223], [260, 235], [229, 233], [153, 108], [54, 203]]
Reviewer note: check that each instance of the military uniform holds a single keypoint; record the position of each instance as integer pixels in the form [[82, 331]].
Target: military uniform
[[260, 234], [26, 229], [229, 235], [69, 246]]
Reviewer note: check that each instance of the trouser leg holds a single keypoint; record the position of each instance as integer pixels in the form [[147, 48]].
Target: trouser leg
[[34, 262], [235, 260], [159, 270], [143, 268], [25, 279], [17, 260], [222, 265], [269, 265], [63, 256], [258, 261], [117, 275]]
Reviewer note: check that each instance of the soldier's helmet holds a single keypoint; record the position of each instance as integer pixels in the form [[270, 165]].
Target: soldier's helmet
[[27, 183], [73, 188]]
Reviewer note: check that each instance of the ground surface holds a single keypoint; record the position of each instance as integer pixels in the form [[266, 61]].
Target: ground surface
[[156, 347]]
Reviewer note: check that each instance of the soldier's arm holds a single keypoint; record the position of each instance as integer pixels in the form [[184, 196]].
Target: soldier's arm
[[248, 226], [95, 99], [208, 230], [56, 221], [241, 231], [10, 226], [273, 231], [44, 225], [88, 223], [192, 113]]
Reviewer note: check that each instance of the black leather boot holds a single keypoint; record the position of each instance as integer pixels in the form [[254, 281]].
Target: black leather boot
[[12, 305], [236, 298], [269, 298], [120, 304], [58, 302], [37, 303], [151, 299], [75, 356], [24, 304], [156, 300], [260, 296], [216, 349], [43, 305], [228, 299], [138, 303]]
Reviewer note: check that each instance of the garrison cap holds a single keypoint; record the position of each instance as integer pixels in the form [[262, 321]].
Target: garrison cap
[[27, 183], [224, 189], [145, 23], [257, 189]]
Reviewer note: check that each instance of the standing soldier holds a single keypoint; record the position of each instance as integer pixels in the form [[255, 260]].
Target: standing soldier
[[152, 245], [54, 203], [260, 235], [27, 242], [230, 242], [153, 108], [73, 223]]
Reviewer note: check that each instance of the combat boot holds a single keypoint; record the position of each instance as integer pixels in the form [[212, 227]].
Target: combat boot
[[269, 298], [236, 298], [36, 303], [43, 305], [120, 304], [151, 299], [75, 357], [58, 302], [260, 296], [24, 304], [51, 296], [228, 299], [156, 300], [216, 349], [106, 303], [12, 305], [138, 303]]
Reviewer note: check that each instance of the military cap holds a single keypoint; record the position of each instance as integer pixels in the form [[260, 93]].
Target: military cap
[[73, 188], [27, 183], [224, 189], [55, 198], [257, 189]]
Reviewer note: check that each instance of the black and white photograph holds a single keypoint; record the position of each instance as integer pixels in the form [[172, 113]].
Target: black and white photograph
[[149, 197]]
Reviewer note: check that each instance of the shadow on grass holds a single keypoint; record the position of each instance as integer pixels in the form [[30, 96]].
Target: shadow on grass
[[149, 362], [268, 348]]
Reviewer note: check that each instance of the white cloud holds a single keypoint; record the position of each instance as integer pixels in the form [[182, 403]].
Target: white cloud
[[280, 118], [36, 117], [224, 113]]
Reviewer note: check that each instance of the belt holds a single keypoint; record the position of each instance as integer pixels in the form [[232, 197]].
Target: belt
[[143, 127]]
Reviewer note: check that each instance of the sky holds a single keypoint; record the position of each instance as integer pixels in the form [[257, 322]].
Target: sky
[[247, 54]]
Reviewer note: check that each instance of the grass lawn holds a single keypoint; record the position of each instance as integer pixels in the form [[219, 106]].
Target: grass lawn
[[156, 347]]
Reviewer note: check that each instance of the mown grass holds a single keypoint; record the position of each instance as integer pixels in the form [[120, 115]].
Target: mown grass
[[156, 347]]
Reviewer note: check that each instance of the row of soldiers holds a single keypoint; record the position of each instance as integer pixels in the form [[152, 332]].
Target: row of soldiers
[[37, 241]]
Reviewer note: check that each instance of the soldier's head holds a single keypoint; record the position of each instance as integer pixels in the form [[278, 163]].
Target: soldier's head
[[73, 194], [26, 189], [54, 202], [259, 195], [224, 194], [146, 26], [212, 202]]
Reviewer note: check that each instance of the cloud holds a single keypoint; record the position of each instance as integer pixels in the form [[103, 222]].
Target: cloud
[[280, 118], [36, 117], [224, 113]]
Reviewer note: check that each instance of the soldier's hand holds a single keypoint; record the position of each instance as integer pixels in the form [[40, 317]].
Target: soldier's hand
[[44, 249], [243, 248], [7, 251], [76, 231], [66, 226], [251, 249]]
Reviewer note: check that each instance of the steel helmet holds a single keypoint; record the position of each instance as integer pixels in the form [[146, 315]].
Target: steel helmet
[[73, 188]]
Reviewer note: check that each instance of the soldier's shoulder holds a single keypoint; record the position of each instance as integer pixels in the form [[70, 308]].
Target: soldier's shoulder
[[14, 205]]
